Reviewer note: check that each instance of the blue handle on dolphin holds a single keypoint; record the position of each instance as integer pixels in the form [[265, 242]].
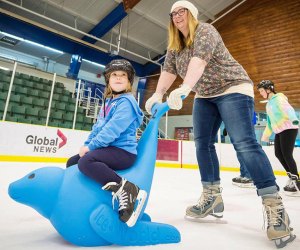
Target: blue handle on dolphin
[[81, 212]]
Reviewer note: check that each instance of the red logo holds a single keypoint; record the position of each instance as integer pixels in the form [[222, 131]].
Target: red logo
[[63, 137]]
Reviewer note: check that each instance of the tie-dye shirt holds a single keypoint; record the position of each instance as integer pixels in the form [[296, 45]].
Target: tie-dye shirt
[[280, 116]]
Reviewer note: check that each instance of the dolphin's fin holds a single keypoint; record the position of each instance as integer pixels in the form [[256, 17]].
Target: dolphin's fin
[[107, 225], [146, 217]]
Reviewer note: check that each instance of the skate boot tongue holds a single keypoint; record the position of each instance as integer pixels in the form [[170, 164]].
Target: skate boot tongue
[[112, 187]]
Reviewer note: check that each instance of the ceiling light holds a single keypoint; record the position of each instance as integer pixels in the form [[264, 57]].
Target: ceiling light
[[12, 36], [4, 68], [43, 46], [97, 64], [33, 43]]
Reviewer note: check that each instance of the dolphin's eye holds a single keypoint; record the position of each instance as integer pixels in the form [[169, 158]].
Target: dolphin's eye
[[31, 176]]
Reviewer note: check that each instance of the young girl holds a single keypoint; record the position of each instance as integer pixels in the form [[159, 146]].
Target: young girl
[[282, 120], [112, 142]]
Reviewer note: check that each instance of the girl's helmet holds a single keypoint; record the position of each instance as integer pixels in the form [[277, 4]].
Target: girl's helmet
[[119, 64], [266, 84]]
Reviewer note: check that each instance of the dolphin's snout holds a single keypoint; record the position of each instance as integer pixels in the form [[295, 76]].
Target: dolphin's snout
[[13, 191]]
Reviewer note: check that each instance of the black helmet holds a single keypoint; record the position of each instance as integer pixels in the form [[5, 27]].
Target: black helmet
[[266, 84], [119, 64]]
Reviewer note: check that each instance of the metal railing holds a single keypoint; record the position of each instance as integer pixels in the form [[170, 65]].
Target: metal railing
[[91, 104]]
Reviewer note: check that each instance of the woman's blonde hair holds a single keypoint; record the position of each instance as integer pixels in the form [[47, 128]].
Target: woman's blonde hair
[[177, 41], [109, 92]]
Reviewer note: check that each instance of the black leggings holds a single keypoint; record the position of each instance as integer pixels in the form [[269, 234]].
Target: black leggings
[[284, 146], [100, 164]]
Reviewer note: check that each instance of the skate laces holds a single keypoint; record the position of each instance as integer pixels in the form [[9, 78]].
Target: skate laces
[[246, 179], [289, 183], [121, 196], [292, 187], [206, 197], [204, 200], [294, 183], [274, 216]]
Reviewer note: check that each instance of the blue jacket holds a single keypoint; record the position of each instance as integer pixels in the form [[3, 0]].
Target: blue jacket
[[118, 128]]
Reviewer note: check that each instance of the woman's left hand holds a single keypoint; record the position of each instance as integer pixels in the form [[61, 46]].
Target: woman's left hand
[[176, 96]]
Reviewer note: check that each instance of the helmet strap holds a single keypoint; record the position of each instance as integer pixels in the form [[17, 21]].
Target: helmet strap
[[104, 107], [118, 92]]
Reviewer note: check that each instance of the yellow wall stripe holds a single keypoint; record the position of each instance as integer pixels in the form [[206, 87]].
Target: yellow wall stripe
[[222, 168], [167, 165], [23, 158]]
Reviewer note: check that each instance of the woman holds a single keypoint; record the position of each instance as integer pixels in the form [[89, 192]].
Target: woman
[[224, 92], [112, 143], [282, 120]]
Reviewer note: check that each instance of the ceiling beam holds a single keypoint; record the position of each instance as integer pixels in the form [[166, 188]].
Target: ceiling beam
[[107, 23], [129, 4]]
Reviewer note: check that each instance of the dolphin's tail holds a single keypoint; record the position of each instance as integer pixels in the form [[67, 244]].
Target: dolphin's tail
[[107, 225]]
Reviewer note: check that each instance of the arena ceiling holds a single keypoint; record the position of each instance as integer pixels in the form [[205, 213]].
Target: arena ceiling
[[98, 30]]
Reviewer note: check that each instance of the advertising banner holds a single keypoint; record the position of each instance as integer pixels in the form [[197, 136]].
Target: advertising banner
[[38, 141]]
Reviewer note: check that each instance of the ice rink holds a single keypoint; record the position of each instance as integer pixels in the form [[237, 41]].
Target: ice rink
[[172, 191]]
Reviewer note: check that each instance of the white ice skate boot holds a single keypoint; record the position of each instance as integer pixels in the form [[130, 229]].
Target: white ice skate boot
[[278, 221], [289, 183], [210, 203], [293, 189], [237, 180], [131, 200]]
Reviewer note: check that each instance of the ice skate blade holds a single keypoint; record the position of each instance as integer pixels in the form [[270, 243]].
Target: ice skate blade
[[247, 186], [206, 220], [141, 198], [282, 242], [292, 194], [243, 185]]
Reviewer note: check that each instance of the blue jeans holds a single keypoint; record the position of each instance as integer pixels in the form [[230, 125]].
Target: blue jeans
[[243, 170], [236, 111]]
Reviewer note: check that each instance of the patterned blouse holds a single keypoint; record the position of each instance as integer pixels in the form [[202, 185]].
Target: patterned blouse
[[222, 70]]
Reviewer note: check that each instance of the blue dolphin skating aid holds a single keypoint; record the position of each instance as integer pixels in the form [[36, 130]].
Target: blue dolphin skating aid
[[81, 212]]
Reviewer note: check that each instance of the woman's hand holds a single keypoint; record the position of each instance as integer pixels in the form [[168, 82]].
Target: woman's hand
[[83, 150], [265, 139], [155, 98], [176, 96]]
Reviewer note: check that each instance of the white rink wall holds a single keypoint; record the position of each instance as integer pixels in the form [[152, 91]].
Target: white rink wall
[[227, 157], [34, 143]]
